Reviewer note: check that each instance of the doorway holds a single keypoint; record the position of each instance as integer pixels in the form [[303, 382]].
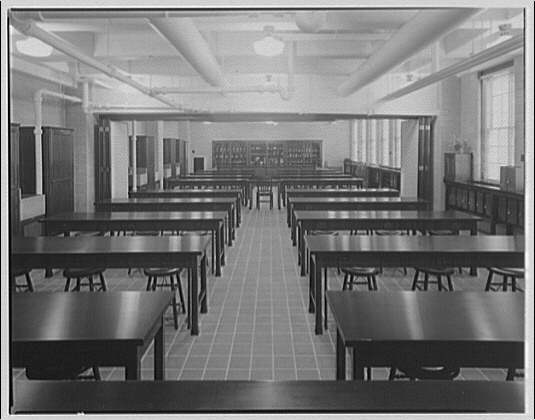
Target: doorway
[[198, 164]]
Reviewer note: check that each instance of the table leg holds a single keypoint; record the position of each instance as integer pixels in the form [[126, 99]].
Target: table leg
[[473, 232], [217, 261], [132, 365], [214, 250], [159, 355], [358, 369], [318, 296], [229, 234], [204, 292], [301, 243], [238, 211], [222, 245], [189, 298], [288, 216], [340, 357], [194, 287], [311, 285], [233, 223], [325, 298]]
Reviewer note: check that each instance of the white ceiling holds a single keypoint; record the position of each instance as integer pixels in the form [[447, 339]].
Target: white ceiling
[[344, 40]]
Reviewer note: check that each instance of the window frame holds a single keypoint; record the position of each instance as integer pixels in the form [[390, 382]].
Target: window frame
[[484, 77]]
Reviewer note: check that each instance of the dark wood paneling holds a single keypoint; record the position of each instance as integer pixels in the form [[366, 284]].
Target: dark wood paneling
[[102, 160], [27, 160], [58, 170], [500, 207]]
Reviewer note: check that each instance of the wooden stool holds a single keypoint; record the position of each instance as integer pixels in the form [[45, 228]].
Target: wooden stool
[[28, 287], [509, 278], [62, 372], [154, 274], [438, 273], [353, 273], [88, 273], [419, 372], [264, 189]]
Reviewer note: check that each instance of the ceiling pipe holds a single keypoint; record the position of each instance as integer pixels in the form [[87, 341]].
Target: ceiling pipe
[[118, 14], [422, 30], [188, 41], [491, 53], [29, 28]]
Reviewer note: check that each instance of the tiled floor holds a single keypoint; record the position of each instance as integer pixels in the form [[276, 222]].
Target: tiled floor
[[257, 326]]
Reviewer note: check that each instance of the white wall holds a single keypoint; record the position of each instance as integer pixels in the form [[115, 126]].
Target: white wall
[[119, 159]]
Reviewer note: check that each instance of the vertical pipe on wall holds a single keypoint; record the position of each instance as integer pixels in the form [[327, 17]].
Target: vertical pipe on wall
[[134, 157]]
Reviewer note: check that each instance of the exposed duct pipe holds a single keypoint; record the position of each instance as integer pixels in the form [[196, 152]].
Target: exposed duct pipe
[[273, 88], [118, 14], [188, 41], [422, 30], [29, 28], [284, 92], [38, 131], [491, 53]]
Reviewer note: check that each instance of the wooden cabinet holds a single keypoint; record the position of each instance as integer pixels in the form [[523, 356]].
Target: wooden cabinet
[[14, 181], [512, 178], [498, 206], [266, 154], [458, 167], [58, 168]]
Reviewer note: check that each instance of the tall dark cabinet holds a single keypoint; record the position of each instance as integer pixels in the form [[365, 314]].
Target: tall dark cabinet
[[14, 181], [58, 168], [425, 159], [102, 160]]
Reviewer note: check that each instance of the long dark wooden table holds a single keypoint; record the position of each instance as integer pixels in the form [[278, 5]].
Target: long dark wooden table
[[89, 329], [122, 252], [464, 329], [235, 193], [314, 193], [350, 203], [403, 251], [211, 182], [225, 204], [421, 221], [48, 397], [321, 181], [145, 220]]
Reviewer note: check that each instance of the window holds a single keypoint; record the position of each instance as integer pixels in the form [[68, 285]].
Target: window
[[362, 138], [397, 144], [372, 141], [497, 122], [385, 142]]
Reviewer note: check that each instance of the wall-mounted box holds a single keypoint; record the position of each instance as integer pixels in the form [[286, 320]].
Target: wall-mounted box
[[512, 178], [458, 167]]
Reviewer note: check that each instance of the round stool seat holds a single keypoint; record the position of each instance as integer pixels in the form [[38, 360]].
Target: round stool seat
[[436, 271], [361, 271], [420, 372], [441, 232], [83, 272], [161, 271], [515, 272]]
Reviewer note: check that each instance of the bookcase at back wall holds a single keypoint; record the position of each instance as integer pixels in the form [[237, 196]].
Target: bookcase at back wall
[[266, 154]]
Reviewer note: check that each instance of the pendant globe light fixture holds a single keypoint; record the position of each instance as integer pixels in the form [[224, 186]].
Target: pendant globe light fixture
[[34, 47], [269, 45]]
